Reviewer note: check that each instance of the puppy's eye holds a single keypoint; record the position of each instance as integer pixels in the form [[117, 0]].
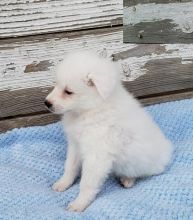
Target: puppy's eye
[[66, 91]]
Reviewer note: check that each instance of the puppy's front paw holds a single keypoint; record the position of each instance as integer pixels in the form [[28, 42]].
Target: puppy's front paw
[[60, 185], [76, 206]]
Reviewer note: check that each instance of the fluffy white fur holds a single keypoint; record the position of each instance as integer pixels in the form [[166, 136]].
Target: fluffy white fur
[[107, 129]]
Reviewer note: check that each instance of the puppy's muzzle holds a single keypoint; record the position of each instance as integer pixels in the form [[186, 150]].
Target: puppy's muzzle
[[48, 104]]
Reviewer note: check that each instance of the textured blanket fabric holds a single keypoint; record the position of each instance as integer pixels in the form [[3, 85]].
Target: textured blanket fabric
[[31, 160]]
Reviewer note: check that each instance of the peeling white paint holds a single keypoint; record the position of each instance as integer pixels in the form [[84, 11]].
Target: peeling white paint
[[187, 62], [19, 18], [14, 57], [137, 64], [180, 14], [12, 68], [18, 55], [183, 51]]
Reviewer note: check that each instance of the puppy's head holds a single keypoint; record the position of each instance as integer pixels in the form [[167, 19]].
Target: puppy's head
[[83, 81]]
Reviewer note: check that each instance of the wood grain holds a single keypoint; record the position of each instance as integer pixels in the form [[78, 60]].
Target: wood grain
[[149, 32], [31, 17], [23, 102], [47, 118], [34, 60], [175, 96], [28, 62], [135, 2], [163, 76], [159, 26], [26, 121]]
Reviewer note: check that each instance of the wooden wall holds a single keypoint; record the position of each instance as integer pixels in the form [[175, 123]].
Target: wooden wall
[[31, 17], [35, 35]]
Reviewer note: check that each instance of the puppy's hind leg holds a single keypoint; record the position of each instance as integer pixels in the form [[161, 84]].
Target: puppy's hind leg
[[127, 182], [71, 169]]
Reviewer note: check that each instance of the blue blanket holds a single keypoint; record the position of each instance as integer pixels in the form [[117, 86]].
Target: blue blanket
[[31, 160]]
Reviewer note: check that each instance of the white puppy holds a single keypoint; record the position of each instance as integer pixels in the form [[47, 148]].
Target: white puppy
[[107, 129]]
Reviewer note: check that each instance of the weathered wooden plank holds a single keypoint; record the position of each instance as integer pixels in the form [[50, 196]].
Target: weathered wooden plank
[[22, 102], [41, 119], [135, 2], [135, 61], [166, 98], [29, 61], [35, 57], [165, 75], [30, 17], [153, 22], [47, 118], [26, 78]]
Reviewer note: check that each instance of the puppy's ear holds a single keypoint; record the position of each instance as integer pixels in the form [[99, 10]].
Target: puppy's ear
[[104, 79]]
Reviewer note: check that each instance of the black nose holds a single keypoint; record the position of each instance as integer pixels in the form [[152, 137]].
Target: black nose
[[48, 104]]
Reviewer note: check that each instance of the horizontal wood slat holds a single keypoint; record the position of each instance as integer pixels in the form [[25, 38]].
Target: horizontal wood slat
[[47, 118], [22, 102], [135, 2], [26, 121], [163, 75], [31, 17], [175, 96], [29, 62]]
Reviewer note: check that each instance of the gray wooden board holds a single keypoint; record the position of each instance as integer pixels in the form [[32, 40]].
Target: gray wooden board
[[158, 21], [163, 76], [175, 96], [23, 101], [24, 17], [35, 57], [147, 69], [134, 2], [47, 118], [149, 32], [26, 121]]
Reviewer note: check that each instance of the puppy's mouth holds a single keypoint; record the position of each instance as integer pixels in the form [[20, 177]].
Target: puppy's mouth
[[55, 110], [51, 109], [49, 106]]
